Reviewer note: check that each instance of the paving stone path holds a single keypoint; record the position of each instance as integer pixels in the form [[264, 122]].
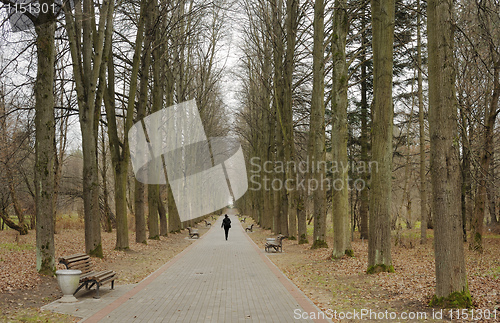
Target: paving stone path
[[213, 280]]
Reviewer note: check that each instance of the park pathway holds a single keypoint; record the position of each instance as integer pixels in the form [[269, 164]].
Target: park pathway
[[214, 280]]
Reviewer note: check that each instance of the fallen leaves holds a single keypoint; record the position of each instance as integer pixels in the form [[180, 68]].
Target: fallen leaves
[[343, 284]]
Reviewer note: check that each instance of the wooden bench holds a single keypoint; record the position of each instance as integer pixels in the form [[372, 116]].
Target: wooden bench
[[207, 224], [250, 228], [192, 233], [276, 244], [88, 278]]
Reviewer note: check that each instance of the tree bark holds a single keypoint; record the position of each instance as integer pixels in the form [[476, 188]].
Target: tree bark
[[87, 46], [120, 158], [292, 7], [45, 141], [365, 138], [340, 198], [444, 163], [421, 128], [119, 150], [154, 189], [316, 147], [141, 113], [379, 244]]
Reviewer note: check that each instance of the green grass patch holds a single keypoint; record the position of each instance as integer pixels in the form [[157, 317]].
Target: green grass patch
[[10, 246]]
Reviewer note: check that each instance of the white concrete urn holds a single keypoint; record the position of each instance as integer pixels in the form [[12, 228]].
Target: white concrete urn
[[68, 280]]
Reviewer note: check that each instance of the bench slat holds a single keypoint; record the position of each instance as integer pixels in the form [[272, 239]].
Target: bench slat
[[78, 263], [103, 273], [87, 276], [102, 278], [84, 268], [73, 258], [107, 280]]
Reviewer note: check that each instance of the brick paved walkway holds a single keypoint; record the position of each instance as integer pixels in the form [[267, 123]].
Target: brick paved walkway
[[214, 280]]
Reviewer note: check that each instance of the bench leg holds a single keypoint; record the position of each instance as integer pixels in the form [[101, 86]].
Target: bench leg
[[112, 284], [96, 296], [79, 287]]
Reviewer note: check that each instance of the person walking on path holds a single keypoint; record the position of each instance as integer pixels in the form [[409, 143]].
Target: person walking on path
[[226, 223]]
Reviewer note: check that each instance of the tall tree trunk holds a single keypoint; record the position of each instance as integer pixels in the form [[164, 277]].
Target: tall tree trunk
[[292, 7], [444, 163], [86, 47], [45, 141], [120, 158], [476, 240], [120, 149], [141, 113], [278, 105], [340, 199], [154, 189], [421, 129], [174, 221], [365, 137], [316, 147], [379, 244]]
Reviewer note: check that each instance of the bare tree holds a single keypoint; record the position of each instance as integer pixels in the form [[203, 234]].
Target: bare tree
[[316, 148], [451, 281], [45, 141], [379, 243], [340, 200], [87, 46]]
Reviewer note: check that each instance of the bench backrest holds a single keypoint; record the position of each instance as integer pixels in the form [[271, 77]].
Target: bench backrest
[[78, 261]]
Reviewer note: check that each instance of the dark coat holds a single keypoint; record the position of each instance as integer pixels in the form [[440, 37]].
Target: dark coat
[[226, 223]]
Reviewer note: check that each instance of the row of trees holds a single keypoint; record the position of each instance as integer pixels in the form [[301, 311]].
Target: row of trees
[[309, 73], [110, 64]]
